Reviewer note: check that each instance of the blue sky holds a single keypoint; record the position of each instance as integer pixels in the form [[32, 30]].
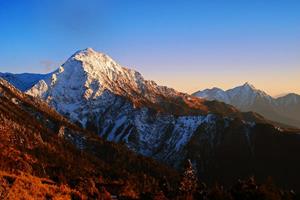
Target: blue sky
[[188, 45]]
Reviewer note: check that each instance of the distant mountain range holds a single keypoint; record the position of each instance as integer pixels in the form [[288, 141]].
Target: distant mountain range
[[285, 109], [224, 144], [23, 81]]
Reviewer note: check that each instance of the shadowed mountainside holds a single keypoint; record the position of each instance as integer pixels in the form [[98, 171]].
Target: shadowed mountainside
[[38, 141]]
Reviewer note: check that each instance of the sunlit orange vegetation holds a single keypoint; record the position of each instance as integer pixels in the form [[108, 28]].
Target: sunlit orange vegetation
[[25, 186]]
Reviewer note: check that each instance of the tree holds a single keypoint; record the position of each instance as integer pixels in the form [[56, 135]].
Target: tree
[[188, 183], [165, 186]]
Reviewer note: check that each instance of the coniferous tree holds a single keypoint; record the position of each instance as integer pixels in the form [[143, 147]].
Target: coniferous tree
[[165, 186], [188, 184]]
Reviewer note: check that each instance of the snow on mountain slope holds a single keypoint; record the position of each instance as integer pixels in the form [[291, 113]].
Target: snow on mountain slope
[[37, 140], [246, 95], [94, 91], [289, 106], [213, 94], [289, 99], [247, 98], [99, 75], [88, 75], [241, 96], [23, 81]]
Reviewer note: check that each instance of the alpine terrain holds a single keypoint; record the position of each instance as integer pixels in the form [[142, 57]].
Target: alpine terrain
[[285, 109], [95, 92], [23, 81], [44, 156]]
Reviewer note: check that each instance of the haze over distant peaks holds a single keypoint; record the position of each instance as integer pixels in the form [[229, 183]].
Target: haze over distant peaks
[[285, 109], [23, 81]]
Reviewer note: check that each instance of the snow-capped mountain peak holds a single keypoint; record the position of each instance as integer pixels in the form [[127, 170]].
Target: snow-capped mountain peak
[[247, 98], [95, 71], [247, 92], [89, 78], [249, 86], [245, 89], [93, 62], [289, 99], [23, 81], [213, 94], [120, 105]]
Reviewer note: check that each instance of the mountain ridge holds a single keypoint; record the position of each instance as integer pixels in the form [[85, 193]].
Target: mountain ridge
[[161, 123], [101, 72], [245, 84], [285, 109], [23, 81], [38, 141]]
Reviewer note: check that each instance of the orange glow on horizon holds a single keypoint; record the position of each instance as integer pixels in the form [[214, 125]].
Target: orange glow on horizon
[[275, 85]]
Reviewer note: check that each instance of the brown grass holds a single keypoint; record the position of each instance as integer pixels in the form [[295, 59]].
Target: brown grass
[[25, 186]]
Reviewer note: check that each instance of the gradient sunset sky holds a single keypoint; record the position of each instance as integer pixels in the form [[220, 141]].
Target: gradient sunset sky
[[187, 45]]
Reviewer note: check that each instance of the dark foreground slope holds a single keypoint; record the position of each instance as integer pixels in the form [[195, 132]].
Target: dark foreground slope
[[225, 153], [37, 141]]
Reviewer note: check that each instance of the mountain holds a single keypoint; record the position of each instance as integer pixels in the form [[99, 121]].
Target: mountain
[[89, 75], [285, 110], [94, 91], [23, 81], [224, 144], [213, 94], [289, 106], [44, 156]]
